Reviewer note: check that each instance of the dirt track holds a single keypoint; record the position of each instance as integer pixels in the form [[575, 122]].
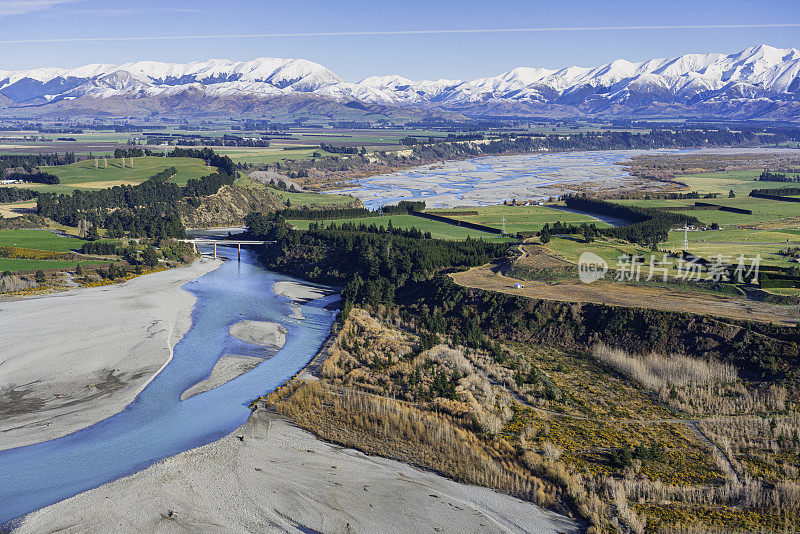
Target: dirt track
[[630, 295]]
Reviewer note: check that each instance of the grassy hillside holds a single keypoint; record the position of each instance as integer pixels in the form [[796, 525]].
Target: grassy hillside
[[84, 173]]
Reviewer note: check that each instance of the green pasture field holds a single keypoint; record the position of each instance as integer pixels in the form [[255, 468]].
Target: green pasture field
[[730, 252], [83, 175], [438, 230], [787, 291], [98, 136], [735, 235], [39, 240], [742, 182], [571, 247], [145, 167], [764, 210], [298, 200], [520, 218]]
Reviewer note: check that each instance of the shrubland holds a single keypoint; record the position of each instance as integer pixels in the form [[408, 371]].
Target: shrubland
[[564, 404]]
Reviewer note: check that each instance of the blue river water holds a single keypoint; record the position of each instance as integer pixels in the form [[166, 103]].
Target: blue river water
[[157, 424]]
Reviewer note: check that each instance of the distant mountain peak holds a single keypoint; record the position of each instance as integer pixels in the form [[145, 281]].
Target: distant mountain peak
[[742, 84]]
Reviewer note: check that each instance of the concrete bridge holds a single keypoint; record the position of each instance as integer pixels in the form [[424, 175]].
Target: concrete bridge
[[225, 243]]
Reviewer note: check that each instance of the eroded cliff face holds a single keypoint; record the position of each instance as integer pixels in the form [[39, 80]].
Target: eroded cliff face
[[230, 206]]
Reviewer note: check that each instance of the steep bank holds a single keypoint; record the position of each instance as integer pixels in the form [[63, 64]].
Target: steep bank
[[228, 207], [232, 203]]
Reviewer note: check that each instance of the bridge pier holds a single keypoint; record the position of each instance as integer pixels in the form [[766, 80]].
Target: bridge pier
[[226, 242]]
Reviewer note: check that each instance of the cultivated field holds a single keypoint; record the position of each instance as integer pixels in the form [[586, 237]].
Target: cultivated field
[[29, 250], [15, 209], [84, 173], [39, 240], [742, 182], [774, 212], [438, 230], [519, 218]]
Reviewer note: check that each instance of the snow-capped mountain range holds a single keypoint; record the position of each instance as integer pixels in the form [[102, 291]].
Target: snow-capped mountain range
[[758, 81]]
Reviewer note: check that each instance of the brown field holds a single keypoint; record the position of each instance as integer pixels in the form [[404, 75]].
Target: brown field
[[633, 296], [18, 208], [777, 225], [533, 256]]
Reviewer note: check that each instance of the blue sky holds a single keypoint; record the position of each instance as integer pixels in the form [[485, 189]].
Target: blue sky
[[428, 55]]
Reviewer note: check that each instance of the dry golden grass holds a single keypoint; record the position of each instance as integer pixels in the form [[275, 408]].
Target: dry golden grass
[[548, 426], [17, 209], [533, 256], [385, 427], [629, 295]]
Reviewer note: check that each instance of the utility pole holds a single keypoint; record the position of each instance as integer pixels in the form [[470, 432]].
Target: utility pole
[[503, 221], [686, 238]]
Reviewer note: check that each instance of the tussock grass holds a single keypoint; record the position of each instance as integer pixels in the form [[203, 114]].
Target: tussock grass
[[382, 426], [656, 371], [551, 426]]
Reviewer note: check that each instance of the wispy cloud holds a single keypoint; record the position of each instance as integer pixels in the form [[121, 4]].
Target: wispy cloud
[[119, 12], [397, 32], [181, 10], [20, 7]]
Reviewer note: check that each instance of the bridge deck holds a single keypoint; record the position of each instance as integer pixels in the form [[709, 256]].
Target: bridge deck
[[226, 242]]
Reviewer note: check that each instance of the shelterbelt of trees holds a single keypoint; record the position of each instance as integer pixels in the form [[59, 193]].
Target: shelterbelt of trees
[[478, 317], [15, 194], [401, 208], [30, 162], [372, 263], [33, 177], [144, 210], [767, 176], [786, 194], [650, 225]]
